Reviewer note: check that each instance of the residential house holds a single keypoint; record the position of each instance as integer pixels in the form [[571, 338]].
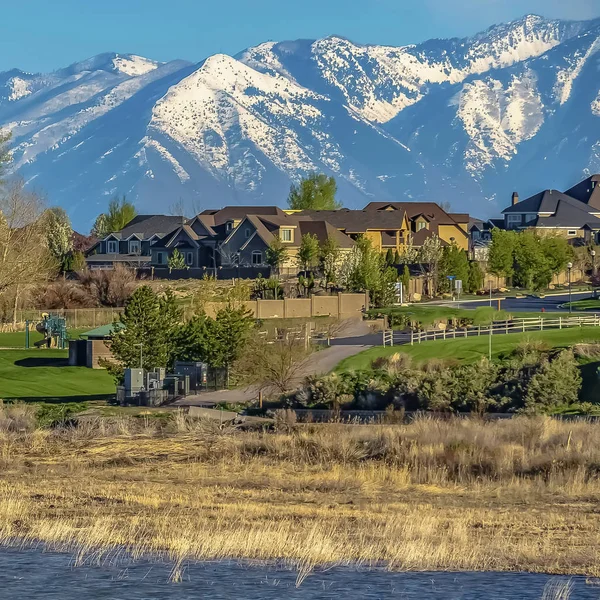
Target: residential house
[[390, 230], [426, 219], [131, 245], [574, 214]]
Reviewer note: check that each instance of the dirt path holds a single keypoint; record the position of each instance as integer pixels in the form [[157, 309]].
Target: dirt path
[[318, 363]]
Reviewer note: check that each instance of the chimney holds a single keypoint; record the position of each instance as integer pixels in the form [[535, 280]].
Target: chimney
[[515, 198]]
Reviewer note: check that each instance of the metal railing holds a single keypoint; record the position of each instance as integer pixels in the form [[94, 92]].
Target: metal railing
[[391, 338]]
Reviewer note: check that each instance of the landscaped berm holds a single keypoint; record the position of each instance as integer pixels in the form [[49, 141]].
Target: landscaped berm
[[462, 494]]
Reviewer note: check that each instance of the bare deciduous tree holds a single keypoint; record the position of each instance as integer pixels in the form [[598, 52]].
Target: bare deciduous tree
[[24, 255]]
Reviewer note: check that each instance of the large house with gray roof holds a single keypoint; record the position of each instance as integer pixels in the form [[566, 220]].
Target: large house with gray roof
[[574, 214]]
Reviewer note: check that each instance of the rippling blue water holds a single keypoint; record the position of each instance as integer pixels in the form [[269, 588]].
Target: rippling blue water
[[34, 574]]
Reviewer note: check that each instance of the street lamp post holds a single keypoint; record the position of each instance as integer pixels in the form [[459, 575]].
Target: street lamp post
[[569, 267], [593, 255]]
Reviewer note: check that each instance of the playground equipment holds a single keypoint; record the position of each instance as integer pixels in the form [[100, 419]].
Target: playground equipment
[[54, 330]]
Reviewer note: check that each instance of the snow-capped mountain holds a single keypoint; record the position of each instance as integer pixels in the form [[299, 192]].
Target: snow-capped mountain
[[460, 120]]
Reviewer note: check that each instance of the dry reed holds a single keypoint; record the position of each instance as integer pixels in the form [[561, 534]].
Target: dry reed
[[460, 494]]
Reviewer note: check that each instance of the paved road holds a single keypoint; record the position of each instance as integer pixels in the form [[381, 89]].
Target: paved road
[[318, 363], [528, 304]]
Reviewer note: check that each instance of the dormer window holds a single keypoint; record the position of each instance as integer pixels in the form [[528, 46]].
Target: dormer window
[[421, 225], [134, 247], [112, 247], [229, 226], [286, 235]]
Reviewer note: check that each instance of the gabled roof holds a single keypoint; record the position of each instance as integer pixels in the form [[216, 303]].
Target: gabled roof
[[233, 213], [145, 226], [420, 236], [357, 221], [203, 224], [431, 210], [170, 240], [323, 230], [587, 191]]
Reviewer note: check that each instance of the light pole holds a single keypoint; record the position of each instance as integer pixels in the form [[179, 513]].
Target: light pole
[[569, 267], [593, 255]]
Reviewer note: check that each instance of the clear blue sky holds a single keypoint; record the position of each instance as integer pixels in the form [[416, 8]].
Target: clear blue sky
[[41, 35]]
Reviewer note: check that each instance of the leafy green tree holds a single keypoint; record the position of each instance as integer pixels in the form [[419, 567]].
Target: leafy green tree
[[59, 235], [531, 265], [475, 277], [501, 256], [454, 263], [308, 253], [149, 320], [120, 212], [315, 192], [557, 383], [74, 262], [429, 256], [176, 261], [557, 252], [276, 254], [329, 258]]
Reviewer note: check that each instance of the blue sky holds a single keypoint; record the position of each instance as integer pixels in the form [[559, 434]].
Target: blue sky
[[41, 35]]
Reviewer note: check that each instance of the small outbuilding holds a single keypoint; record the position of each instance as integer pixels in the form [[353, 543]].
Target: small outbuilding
[[93, 346]]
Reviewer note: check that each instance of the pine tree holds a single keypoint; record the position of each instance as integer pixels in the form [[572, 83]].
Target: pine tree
[[389, 257], [176, 261], [276, 254], [405, 279], [475, 278], [148, 320]]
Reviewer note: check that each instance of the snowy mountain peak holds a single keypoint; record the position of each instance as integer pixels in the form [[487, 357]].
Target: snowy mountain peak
[[514, 107]]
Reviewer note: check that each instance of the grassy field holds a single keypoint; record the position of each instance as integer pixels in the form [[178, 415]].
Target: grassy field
[[457, 494], [16, 339], [473, 348], [589, 304], [45, 374]]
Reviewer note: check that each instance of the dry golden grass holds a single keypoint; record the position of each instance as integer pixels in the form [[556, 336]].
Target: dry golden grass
[[459, 494]]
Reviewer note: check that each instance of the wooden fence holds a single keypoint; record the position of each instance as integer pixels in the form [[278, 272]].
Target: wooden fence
[[391, 338]]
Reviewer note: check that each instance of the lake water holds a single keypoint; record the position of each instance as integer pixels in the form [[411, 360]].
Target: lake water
[[33, 574]]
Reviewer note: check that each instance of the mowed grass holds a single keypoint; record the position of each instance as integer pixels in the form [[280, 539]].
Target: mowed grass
[[589, 304], [473, 348], [45, 374], [16, 339]]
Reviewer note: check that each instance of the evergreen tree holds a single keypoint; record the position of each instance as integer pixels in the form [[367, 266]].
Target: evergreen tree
[[329, 258], [74, 262], [454, 263], [389, 258], [308, 253], [475, 277], [315, 192], [148, 320], [397, 260], [232, 329], [405, 279], [176, 261]]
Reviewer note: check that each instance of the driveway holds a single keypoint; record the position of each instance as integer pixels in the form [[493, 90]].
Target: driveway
[[318, 363]]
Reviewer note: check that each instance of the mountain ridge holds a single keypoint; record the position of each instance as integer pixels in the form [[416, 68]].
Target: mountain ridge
[[463, 120]]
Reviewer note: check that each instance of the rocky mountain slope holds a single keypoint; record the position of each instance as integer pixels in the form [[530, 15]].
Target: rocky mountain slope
[[459, 120]]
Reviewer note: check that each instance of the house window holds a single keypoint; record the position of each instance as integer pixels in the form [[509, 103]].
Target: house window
[[257, 257], [513, 221], [189, 258], [229, 226], [286, 235], [112, 247], [248, 232], [159, 258], [572, 232], [420, 225], [134, 246], [529, 218]]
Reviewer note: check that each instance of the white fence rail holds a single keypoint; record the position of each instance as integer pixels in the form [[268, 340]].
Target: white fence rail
[[391, 338]]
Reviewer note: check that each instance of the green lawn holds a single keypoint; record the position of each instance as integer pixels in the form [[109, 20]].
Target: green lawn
[[16, 339], [588, 304], [473, 348], [45, 374]]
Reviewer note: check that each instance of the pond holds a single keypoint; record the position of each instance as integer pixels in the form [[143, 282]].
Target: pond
[[35, 574]]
